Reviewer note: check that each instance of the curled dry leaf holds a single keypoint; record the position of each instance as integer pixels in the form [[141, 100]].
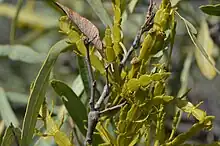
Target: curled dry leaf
[[84, 25]]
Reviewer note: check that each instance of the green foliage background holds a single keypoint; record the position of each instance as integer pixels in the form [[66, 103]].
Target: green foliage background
[[25, 45]]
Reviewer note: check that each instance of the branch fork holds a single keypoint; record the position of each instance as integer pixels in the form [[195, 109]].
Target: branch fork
[[95, 112]]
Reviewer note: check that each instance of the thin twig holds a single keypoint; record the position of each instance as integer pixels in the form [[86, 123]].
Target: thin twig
[[105, 91], [112, 108], [93, 114], [93, 118], [145, 27], [91, 77]]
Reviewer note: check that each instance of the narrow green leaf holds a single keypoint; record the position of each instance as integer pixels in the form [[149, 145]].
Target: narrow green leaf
[[202, 50], [211, 9], [38, 91], [109, 52], [207, 43], [84, 74], [97, 63], [175, 123], [188, 24], [198, 45], [11, 134], [100, 11], [74, 106], [72, 103], [104, 133], [21, 53], [172, 37], [6, 111], [135, 140]]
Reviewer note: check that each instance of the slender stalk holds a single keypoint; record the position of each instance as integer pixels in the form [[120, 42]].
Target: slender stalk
[[113, 108], [93, 114], [91, 77], [14, 21], [105, 91]]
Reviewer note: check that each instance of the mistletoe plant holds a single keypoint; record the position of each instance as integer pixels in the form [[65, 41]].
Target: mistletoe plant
[[133, 105]]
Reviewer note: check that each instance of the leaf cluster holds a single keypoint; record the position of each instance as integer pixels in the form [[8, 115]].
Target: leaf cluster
[[135, 107]]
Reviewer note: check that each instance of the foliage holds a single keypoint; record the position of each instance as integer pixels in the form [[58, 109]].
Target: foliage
[[211, 9], [133, 107]]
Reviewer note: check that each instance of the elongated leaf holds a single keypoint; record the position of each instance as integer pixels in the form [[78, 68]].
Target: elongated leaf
[[211, 9], [38, 91], [106, 136], [6, 111], [135, 140], [28, 18], [188, 24], [72, 103], [202, 50], [101, 12], [84, 74], [74, 106], [207, 43], [198, 45], [11, 134], [21, 53]]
